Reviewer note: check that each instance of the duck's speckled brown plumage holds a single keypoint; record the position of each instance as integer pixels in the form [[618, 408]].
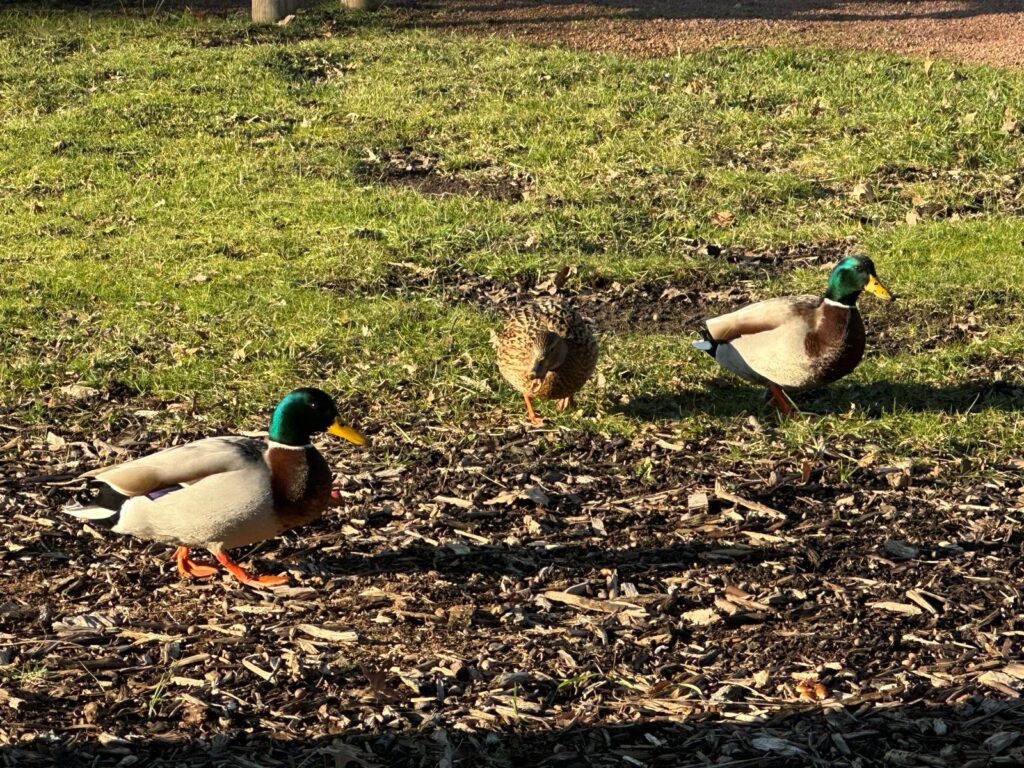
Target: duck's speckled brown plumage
[[516, 343]]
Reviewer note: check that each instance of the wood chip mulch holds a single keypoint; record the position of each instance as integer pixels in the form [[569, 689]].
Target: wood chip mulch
[[494, 596]]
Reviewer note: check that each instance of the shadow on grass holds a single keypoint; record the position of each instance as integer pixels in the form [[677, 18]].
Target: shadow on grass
[[874, 399], [878, 398], [797, 734], [511, 12]]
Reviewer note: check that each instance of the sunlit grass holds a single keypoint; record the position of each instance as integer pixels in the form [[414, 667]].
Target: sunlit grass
[[180, 198]]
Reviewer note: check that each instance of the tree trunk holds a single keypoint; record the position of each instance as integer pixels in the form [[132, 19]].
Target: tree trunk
[[271, 10]]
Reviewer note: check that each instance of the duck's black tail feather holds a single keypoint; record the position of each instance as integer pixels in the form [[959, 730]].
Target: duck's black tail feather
[[103, 509], [707, 344]]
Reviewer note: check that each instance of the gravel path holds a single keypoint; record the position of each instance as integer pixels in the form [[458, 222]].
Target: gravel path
[[988, 31]]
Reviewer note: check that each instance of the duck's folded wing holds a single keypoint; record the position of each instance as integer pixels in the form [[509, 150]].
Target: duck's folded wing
[[183, 465], [229, 509], [756, 318]]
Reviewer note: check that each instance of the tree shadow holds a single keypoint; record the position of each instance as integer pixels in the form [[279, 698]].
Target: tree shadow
[[527, 12], [879, 398], [523, 561], [797, 734], [721, 397], [874, 399]]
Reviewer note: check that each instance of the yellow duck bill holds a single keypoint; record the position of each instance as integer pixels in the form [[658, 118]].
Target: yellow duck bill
[[347, 433], [875, 286]]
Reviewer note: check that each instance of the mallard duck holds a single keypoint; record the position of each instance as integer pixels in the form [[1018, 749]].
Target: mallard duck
[[224, 492], [546, 350], [797, 342]]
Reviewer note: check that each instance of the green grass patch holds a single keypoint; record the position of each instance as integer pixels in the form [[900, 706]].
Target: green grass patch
[[204, 211]]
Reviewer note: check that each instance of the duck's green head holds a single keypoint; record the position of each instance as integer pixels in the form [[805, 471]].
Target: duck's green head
[[852, 275], [304, 412]]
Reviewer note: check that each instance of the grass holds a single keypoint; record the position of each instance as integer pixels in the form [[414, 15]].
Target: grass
[[179, 196], [27, 675]]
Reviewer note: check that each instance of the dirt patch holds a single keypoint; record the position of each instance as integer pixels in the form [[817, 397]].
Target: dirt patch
[[609, 305], [428, 174], [966, 192], [937, 326], [987, 31], [652, 306]]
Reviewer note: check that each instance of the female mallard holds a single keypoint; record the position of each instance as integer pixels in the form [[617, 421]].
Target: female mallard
[[546, 350], [796, 342], [225, 492]]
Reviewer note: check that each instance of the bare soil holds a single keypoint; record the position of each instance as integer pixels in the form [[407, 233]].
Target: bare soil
[[986, 31], [978, 31]]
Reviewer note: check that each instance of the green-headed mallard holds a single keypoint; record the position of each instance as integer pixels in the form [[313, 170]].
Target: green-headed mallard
[[224, 492], [797, 342], [546, 350]]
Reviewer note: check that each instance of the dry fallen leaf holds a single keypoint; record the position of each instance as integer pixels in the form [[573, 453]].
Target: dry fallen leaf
[[862, 192], [811, 690], [723, 218], [78, 392]]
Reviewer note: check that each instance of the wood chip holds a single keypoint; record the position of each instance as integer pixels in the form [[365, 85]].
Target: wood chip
[[586, 603], [904, 608], [334, 635]]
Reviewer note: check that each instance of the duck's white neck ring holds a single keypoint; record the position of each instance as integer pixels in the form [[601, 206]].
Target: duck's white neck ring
[[283, 447], [837, 303]]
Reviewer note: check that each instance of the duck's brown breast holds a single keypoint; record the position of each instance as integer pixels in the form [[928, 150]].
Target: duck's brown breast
[[301, 483], [836, 346], [579, 366]]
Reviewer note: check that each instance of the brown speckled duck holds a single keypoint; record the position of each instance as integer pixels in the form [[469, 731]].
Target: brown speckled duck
[[224, 492], [546, 350], [797, 342]]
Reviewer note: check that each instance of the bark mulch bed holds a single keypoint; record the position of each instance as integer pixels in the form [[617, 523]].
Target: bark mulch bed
[[489, 595], [982, 31]]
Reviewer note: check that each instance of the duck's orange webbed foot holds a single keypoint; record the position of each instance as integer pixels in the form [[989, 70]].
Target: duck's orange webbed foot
[[188, 567], [781, 400], [565, 403], [243, 576], [532, 414]]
